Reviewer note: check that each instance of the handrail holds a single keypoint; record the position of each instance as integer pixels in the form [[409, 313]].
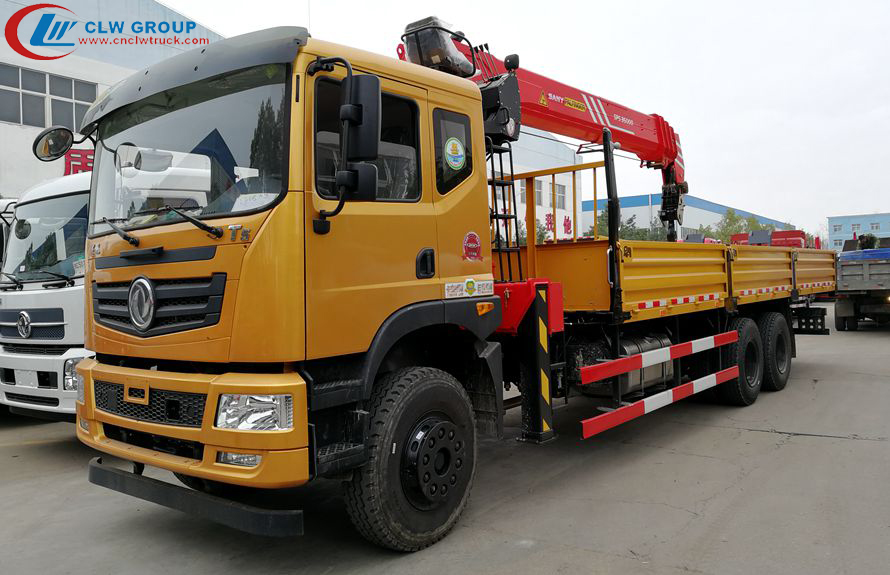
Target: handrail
[[531, 204]]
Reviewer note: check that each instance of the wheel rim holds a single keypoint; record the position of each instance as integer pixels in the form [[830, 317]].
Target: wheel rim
[[433, 462], [781, 355], [752, 365]]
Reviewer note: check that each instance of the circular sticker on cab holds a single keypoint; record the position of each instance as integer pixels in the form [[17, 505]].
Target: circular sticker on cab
[[454, 154]]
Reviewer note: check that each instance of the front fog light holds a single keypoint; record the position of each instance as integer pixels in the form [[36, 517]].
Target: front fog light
[[85, 425], [242, 459], [255, 412]]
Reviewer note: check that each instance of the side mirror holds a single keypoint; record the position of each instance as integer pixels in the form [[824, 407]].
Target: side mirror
[[360, 181], [362, 111], [52, 143]]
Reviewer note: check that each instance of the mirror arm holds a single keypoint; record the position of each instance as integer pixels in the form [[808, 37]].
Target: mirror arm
[[321, 225]]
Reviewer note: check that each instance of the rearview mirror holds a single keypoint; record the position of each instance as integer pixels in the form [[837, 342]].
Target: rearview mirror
[[52, 143], [362, 110], [360, 181], [152, 161]]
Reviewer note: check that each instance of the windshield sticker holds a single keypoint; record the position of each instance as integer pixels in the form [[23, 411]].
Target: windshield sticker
[[468, 288], [454, 154], [472, 247], [78, 267]]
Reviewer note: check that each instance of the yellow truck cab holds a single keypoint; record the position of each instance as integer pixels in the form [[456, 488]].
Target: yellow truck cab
[[241, 348], [290, 275]]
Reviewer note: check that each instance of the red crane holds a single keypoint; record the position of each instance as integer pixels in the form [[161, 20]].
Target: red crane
[[558, 108]]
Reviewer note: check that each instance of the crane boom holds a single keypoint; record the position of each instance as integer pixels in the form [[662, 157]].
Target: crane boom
[[558, 108], [512, 96]]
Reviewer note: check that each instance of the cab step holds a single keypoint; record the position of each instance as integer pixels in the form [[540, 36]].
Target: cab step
[[334, 393], [338, 457]]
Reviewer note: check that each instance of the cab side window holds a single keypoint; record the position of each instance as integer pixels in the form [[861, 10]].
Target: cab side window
[[454, 155], [398, 175]]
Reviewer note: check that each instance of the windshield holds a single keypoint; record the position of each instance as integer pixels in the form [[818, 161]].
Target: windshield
[[211, 148], [47, 237]]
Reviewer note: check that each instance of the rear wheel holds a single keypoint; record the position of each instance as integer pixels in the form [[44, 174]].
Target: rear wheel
[[852, 323], [421, 460], [776, 338], [747, 353]]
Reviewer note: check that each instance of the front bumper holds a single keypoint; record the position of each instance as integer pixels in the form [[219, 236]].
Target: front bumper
[[254, 520], [284, 454], [50, 398]]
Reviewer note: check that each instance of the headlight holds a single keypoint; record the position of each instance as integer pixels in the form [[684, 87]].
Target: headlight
[[255, 412], [70, 378]]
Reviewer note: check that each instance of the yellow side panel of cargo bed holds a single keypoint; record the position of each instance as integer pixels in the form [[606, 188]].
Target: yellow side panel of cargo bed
[[760, 273], [663, 278], [815, 271]]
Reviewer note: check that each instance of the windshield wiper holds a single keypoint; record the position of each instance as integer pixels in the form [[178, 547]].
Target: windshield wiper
[[212, 230], [68, 279], [109, 222], [18, 283]]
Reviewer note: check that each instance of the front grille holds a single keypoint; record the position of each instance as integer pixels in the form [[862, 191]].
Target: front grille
[[54, 316], [181, 304], [180, 447], [33, 399], [37, 332], [36, 349], [164, 406]]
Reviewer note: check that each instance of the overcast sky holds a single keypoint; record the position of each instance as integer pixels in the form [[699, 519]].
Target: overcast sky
[[783, 108]]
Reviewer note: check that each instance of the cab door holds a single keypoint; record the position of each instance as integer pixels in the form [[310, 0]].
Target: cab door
[[378, 256]]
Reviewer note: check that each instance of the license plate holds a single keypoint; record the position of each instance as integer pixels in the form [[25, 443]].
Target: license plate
[[25, 378]]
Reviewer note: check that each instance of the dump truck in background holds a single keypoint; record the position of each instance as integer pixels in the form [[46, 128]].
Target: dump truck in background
[[863, 288]]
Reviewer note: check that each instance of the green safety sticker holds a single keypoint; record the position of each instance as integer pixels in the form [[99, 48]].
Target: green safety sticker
[[455, 156]]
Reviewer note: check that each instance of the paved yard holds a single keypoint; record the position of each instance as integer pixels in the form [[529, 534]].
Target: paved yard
[[797, 483]]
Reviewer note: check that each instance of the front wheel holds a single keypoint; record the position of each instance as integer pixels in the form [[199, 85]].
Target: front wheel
[[421, 460]]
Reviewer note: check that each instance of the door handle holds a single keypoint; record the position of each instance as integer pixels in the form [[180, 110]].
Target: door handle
[[426, 263]]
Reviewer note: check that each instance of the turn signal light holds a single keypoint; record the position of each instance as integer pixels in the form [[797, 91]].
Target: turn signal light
[[483, 307]]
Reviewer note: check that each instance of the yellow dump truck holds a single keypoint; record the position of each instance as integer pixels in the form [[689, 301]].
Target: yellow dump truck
[[298, 268]]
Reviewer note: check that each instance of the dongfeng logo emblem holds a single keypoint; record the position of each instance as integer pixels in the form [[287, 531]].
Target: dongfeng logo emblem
[[24, 324], [141, 303]]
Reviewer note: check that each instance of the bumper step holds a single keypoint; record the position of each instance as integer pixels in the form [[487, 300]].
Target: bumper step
[[247, 518]]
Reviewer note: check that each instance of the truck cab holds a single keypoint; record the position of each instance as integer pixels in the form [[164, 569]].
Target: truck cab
[[41, 298]]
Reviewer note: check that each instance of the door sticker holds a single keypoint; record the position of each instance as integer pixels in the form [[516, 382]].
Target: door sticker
[[472, 248], [468, 288]]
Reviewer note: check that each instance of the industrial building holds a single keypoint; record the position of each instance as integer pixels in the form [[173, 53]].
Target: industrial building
[[842, 228], [698, 212], [35, 94]]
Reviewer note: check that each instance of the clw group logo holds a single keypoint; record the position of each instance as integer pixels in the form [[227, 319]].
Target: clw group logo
[[41, 31], [49, 31]]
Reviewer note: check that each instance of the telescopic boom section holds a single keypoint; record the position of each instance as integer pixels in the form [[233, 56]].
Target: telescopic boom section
[[561, 109]]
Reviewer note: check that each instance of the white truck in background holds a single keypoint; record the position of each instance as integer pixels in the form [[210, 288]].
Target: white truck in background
[[42, 298]]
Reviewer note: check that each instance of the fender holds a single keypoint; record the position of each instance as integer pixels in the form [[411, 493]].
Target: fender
[[459, 312]]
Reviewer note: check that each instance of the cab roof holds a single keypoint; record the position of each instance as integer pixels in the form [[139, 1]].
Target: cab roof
[[394, 68], [57, 187]]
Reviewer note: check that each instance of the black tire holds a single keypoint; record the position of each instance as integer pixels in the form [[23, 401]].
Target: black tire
[[852, 323], [776, 338], [747, 353], [421, 460]]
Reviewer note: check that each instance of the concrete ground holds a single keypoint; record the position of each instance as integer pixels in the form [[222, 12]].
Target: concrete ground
[[796, 483]]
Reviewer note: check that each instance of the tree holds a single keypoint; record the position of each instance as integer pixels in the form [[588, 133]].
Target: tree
[[542, 234], [730, 224], [628, 229], [521, 236]]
